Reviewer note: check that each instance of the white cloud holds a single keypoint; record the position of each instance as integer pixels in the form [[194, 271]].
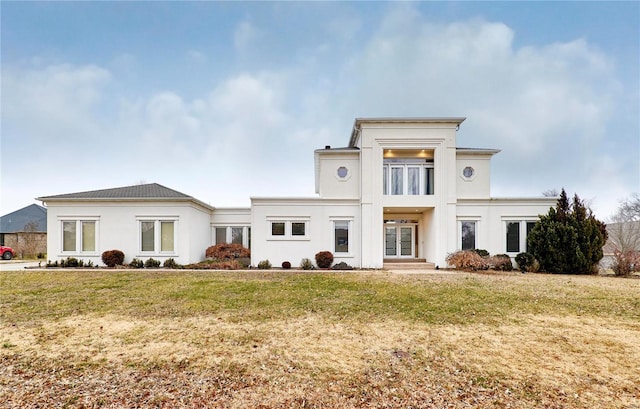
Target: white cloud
[[244, 35]]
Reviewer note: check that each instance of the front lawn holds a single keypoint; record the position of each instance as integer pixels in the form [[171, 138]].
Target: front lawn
[[340, 340]]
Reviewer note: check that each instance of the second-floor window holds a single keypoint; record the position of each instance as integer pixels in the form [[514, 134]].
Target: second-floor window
[[408, 177]]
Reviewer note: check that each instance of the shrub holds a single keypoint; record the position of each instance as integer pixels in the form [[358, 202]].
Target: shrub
[[342, 266], [306, 264], [286, 265], [324, 259], [501, 262], [467, 260], [625, 263], [215, 265], [170, 263], [41, 256], [568, 239], [525, 261], [89, 263], [264, 265], [136, 263], [227, 251], [152, 263], [70, 262], [113, 258], [482, 253]]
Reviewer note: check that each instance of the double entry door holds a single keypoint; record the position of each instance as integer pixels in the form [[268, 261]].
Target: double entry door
[[399, 240]]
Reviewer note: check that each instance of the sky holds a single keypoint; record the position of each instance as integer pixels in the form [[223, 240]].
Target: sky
[[225, 101]]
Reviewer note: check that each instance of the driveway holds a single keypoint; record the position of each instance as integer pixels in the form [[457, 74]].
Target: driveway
[[19, 265]]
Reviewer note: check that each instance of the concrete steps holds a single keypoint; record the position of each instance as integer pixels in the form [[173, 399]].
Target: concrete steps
[[407, 264]]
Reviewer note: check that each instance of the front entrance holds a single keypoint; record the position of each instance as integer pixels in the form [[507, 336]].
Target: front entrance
[[399, 241]]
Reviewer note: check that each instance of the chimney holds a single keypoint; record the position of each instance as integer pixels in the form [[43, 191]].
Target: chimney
[[327, 147]]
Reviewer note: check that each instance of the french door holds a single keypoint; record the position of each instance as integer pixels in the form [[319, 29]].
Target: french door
[[399, 241]]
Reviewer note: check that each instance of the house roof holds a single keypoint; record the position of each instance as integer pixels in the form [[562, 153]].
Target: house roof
[[478, 151], [146, 192], [16, 221]]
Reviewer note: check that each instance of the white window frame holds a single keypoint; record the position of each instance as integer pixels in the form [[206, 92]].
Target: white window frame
[[228, 232], [522, 234], [79, 220], [157, 236], [405, 165], [477, 230], [288, 228], [349, 221]]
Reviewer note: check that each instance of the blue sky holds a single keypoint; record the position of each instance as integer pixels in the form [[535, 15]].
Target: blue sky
[[228, 100]]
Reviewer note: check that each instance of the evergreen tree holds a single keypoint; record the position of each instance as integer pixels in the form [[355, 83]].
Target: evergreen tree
[[568, 239]]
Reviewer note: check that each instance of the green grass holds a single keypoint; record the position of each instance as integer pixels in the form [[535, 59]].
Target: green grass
[[28, 296]]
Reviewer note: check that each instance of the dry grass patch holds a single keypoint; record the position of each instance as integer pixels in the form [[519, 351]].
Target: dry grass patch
[[291, 340]]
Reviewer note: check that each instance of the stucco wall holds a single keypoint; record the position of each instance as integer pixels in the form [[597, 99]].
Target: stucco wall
[[319, 214], [118, 227]]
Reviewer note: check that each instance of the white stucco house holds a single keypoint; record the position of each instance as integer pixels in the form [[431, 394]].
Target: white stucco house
[[400, 190]]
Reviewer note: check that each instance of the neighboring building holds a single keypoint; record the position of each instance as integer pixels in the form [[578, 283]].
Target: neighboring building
[[401, 189], [622, 236], [25, 230]]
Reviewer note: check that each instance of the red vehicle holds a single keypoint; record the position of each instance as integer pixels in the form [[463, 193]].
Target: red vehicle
[[7, 253]]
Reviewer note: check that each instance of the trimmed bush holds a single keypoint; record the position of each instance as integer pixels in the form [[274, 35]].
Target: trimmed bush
[[306, 264], [286, 265], [324, 259], [482, 253], [136, 263], [113, 258], [525, 262], [170, 263], [467, 260], [501, 262], [227, 251], [152, 263], [264, 265]]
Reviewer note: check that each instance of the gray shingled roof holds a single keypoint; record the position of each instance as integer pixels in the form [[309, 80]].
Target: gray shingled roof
[[16, 221], [148, 191]]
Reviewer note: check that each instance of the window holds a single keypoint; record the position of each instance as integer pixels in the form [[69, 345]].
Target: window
[[290, 230], [468, 172], [513, 237], [221, 235], [517, 232], [277, 228], [530, 226], [166, 236], [468, 235], [298, 228], [232, 234], [88, 237], [147, 235], [69, 236], [79, 236], [407, 177], [157, 236], [341, 236], [413, 182], [397, 186]]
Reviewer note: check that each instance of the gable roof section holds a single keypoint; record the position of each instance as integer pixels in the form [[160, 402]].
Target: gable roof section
[[146, 192], [16, 221]]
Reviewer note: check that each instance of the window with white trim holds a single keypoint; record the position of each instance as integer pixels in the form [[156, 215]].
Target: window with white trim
[[157, 236], [341, 236], [468, 235], [79, 236], [291, 229], [516, 233], [232, 234], [408, 177]]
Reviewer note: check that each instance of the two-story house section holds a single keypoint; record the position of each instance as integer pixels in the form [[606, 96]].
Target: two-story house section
[[400, 190]]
